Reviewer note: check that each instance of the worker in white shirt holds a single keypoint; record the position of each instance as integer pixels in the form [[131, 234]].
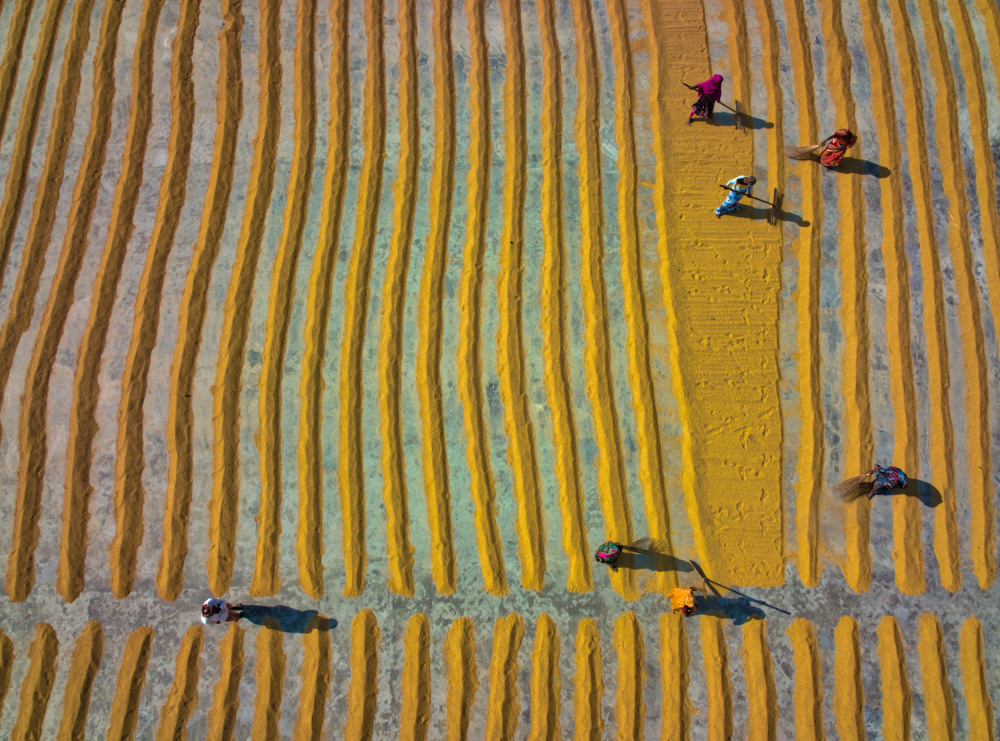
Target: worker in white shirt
[[215, 610]]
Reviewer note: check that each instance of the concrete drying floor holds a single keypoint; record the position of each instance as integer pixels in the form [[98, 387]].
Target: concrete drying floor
[[382, 318]]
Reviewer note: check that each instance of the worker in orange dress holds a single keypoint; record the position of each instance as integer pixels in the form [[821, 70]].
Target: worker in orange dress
[[682, 598], [829, 152]]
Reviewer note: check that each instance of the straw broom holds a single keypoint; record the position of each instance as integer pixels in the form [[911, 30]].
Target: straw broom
[[852, 489], [808, 152]]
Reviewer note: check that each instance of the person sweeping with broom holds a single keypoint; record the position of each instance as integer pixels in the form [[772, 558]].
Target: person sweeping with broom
[[608, 553], [880, 478], [829, 152]]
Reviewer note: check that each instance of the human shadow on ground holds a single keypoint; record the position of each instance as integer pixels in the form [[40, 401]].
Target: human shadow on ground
[[287, 619], [924, 491], [760, 214], [728, 118], [651, 555], [855, 166], [652, 561], [739, 609]]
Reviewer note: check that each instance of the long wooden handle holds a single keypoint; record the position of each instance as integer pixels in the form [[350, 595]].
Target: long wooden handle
[[691, 87], [726, 187]]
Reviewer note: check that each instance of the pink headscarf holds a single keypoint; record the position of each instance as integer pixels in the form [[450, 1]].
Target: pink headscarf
[[712, 87]]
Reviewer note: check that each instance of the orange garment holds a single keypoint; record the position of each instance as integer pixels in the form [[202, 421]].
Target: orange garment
[[681, 598], [839, 143]]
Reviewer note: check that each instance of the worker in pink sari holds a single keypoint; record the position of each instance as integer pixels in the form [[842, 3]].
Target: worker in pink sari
[[709, 93]]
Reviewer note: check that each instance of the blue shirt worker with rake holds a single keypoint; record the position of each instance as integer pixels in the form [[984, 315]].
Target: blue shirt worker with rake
[[737, 187]]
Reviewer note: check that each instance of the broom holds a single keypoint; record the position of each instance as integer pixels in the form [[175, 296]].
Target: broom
[[852, 489], [647, 546], [808, 152]]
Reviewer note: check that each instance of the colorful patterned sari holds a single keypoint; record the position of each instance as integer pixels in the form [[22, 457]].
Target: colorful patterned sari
[[834, 151], [887, 478]]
